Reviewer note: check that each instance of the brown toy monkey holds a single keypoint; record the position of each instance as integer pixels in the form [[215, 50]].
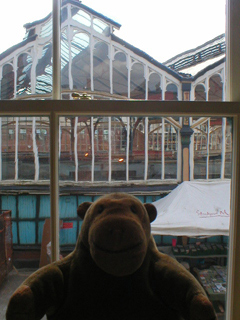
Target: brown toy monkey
[[114, 273]]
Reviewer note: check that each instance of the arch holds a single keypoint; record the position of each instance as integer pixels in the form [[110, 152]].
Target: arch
[[120, 74], [200, 93], [101, 69], [154, 87], [171, 92], [215, 91], [137, 83], [80, 53], [7, 83], [24, 67]]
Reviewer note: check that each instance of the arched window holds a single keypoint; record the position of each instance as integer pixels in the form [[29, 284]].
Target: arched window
[[215, 88], [24, 67], [7, 83], [120, 74], [80, 51], [200, 93], [171, 92], [44, 71], [64, 60], [101, 70], [137, 81], [154, 87]]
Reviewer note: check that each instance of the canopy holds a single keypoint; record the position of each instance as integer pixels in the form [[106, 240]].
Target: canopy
[[193, 209]]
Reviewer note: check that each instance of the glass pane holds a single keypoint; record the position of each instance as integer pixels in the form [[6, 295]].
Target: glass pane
[[120, 74], [119, 129], [137, 81], [80, 47], [101, 71], [81, 16]]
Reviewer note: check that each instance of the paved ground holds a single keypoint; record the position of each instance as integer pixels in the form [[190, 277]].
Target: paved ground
[[9, 285]]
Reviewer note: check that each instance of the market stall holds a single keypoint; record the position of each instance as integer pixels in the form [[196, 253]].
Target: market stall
[[194, 209]]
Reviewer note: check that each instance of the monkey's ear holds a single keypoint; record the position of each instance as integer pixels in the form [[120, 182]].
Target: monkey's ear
[[82, 209], [151, 210]]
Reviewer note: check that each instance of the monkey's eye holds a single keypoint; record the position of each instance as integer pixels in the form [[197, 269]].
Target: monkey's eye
[[133, 209], [100, 209]]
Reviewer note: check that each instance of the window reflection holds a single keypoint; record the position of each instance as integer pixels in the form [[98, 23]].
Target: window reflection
[[215, 88], [101, 71], [154, 87], [7, 83], [81, 16], [44, 71], [137, 148], [101, 27], [8, 148], [80, 52], [137, 81], [101, 149], [120, 74], [171, 92], [24, 69], [119, 148], [64, 60], [200, 93], [46, 29]]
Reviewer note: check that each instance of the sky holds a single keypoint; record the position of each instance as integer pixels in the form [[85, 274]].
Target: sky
[[161, 28]]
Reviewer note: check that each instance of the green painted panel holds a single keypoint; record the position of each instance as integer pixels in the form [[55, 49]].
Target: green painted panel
[[82, 199], [149, 199], [68, 207], [96, 197], [40, 231], [157, 239], [27, 232], [168, 240], [68, 236], [10, 203], [14, 232], [141, 198], [27, 206], [44, 209]]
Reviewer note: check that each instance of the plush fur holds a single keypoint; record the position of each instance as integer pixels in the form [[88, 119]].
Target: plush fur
[[114, 273]]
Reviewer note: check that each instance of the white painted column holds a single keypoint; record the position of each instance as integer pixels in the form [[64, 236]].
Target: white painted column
[[93, 150], [110, 56], [146, 149], [109, 149], [208, 149], [224, 121], [127, 149], [35, 150], [16, 148], [163, 148], [129, 67], [75, 148]]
